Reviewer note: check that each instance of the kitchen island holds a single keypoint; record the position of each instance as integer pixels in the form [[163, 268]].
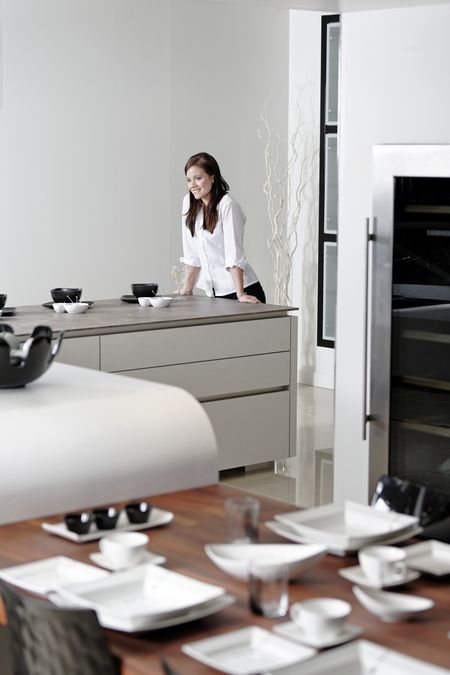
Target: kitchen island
[[239, 360]]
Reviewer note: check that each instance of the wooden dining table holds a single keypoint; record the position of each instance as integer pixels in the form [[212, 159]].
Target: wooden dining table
[[199, 520]]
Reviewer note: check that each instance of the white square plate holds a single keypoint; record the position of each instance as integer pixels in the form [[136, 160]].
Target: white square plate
[[247, 651], [432, 557], [157, 517], [140, 624], [289, 532], [363, 658], [349, 526], [143, 591], [43, 576]]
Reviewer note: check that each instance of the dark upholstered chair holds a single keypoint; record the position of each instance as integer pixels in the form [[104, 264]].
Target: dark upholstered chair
[[49, 640]]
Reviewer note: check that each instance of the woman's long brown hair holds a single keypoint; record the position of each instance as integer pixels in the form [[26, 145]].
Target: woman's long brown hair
[[218, 189]]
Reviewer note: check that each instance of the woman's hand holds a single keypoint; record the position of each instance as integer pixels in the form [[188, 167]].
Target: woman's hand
[[249, 298]]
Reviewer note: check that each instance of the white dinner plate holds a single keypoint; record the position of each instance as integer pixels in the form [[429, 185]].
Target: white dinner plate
[[347, 526], [235, 558], [143, 591], [287, 531], [149, 557], [43, 576], [363, 658], [157, 518], [247, 651], [432, 557], [292, 631], [392, 607], [357, 576], [149, 623]]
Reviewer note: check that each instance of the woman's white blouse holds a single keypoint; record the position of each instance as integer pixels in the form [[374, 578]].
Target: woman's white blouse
[[215, 253]]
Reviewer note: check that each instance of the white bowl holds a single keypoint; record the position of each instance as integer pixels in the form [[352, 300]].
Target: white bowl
[[235, 558], [392, 607], [59, 307], [76, 307], [124, 549], [160, 301], [144, 302]]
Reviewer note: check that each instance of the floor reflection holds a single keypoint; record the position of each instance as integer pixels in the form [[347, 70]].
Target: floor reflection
[[307, 479]]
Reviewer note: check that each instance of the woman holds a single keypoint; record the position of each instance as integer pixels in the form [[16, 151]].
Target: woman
[[213, 233]]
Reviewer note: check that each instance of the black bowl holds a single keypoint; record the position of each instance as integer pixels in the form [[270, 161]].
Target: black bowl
[[3, 297], [78, 522], [17, 371], [138, 512], [66, 294], [144, 290], [106, 519]]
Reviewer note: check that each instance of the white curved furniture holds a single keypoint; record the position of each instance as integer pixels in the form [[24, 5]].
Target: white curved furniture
[[77, 438]]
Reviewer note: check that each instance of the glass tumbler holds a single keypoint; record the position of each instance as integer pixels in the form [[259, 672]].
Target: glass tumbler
[[242, 514], [268, 587]]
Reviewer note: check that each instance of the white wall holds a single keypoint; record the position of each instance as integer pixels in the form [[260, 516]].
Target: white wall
[[316, 364], [394, 89], [83, 146], [103, 101]]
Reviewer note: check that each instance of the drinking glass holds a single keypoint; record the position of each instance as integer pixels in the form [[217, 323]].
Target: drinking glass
[[268, 587], [242, 518], [178, 275]]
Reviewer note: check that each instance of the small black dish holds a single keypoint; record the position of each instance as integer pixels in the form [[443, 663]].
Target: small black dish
[[49, 305], [106, 519], [8, 311], [78, 522], [144, 290], [129, 298], [138, 512]]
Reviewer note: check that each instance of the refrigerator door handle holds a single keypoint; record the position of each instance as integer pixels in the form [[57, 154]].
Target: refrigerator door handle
[[370, 238]]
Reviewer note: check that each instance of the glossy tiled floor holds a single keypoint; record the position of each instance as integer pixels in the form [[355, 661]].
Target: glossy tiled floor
[[307, 479]]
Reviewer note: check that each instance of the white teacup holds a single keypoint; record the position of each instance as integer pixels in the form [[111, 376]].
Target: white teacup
[[144, 302], [383, 564], [59, 307], [320, 618], [124, 549]]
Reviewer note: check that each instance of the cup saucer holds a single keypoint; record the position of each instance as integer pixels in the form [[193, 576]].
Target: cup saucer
[[149, 557], [357, 576], [292, 631]]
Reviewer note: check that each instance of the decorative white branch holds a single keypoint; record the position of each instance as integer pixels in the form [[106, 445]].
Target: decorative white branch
[[285, 189]]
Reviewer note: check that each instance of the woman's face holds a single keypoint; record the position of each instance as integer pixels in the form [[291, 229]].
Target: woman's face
[[199, 183]]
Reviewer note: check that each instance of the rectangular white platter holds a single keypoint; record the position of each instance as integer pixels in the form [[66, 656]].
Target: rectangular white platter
[[363, 658], [144, 624], [143, 591], [287, 531], [157, 518], [432, 557], [43, 576], [350, 525], [247, 651]]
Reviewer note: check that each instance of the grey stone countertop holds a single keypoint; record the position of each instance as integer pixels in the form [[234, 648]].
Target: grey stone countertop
[[116, 316]]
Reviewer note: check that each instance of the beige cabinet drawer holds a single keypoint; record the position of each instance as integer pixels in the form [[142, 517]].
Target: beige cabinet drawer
[[251, 429], [83, 351], [224, 376], [147, 349]]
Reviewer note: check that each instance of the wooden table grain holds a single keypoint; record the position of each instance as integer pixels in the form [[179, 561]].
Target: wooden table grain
[[199, 519]]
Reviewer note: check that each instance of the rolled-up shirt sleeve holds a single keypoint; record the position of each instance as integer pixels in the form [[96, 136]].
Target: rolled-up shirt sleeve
[[233, 221], [190, 254]]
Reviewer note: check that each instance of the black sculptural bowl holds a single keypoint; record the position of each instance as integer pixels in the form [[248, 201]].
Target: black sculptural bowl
[[21, 364], [144, 290], [66, 294]]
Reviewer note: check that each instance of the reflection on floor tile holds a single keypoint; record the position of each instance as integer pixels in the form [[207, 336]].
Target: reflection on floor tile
[[307, 479]]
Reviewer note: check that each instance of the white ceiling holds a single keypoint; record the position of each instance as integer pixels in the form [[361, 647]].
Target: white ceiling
[[337, 6]]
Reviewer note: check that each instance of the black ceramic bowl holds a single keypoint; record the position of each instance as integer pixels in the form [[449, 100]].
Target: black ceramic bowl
[[78, 522], [3, 297], [144, 290], [66, 294], [138, 512], [19, 370], [106, 519]]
